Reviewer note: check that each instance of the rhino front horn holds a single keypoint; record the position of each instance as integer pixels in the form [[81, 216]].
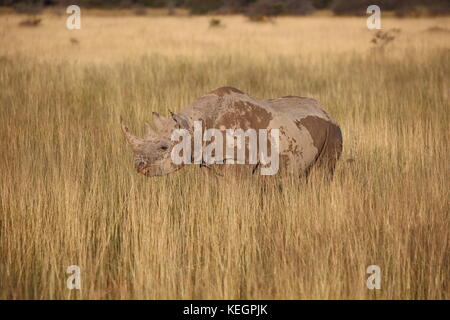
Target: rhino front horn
[[132, 140]]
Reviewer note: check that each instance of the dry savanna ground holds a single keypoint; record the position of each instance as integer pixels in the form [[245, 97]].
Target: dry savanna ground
[[70, 196]]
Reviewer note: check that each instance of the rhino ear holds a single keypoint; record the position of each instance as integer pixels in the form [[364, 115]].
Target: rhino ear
[[162, 123], [181, 121]]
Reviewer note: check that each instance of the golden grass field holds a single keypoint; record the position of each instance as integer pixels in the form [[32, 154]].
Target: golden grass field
[[69, 194]]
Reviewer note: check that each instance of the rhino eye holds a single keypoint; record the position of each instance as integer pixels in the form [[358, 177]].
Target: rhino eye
[[164, 147], [141, 164]]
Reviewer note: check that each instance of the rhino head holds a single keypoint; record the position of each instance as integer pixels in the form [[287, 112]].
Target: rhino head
[[152, 153]]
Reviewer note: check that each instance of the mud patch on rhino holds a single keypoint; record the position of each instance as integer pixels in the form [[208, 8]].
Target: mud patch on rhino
[[245, 115], [317, 128]]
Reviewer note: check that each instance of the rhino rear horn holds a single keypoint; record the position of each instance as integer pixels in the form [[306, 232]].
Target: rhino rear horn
[[149, 133], [132, 139]]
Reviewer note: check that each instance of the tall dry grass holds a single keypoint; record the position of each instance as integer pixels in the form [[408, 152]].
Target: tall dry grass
[[69, 194]]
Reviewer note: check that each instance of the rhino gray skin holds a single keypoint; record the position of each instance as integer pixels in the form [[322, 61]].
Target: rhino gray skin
[[308, 136]]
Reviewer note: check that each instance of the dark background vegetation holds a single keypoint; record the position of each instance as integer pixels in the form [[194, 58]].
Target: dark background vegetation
[[253, 7]]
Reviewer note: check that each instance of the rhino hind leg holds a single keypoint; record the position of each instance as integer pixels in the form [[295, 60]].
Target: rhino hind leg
[[330, 152]]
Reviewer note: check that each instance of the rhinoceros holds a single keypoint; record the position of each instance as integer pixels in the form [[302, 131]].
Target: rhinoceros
[[308, 137]]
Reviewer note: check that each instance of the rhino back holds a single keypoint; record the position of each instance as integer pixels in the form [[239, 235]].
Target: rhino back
[[230, 108], [299, 107]]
